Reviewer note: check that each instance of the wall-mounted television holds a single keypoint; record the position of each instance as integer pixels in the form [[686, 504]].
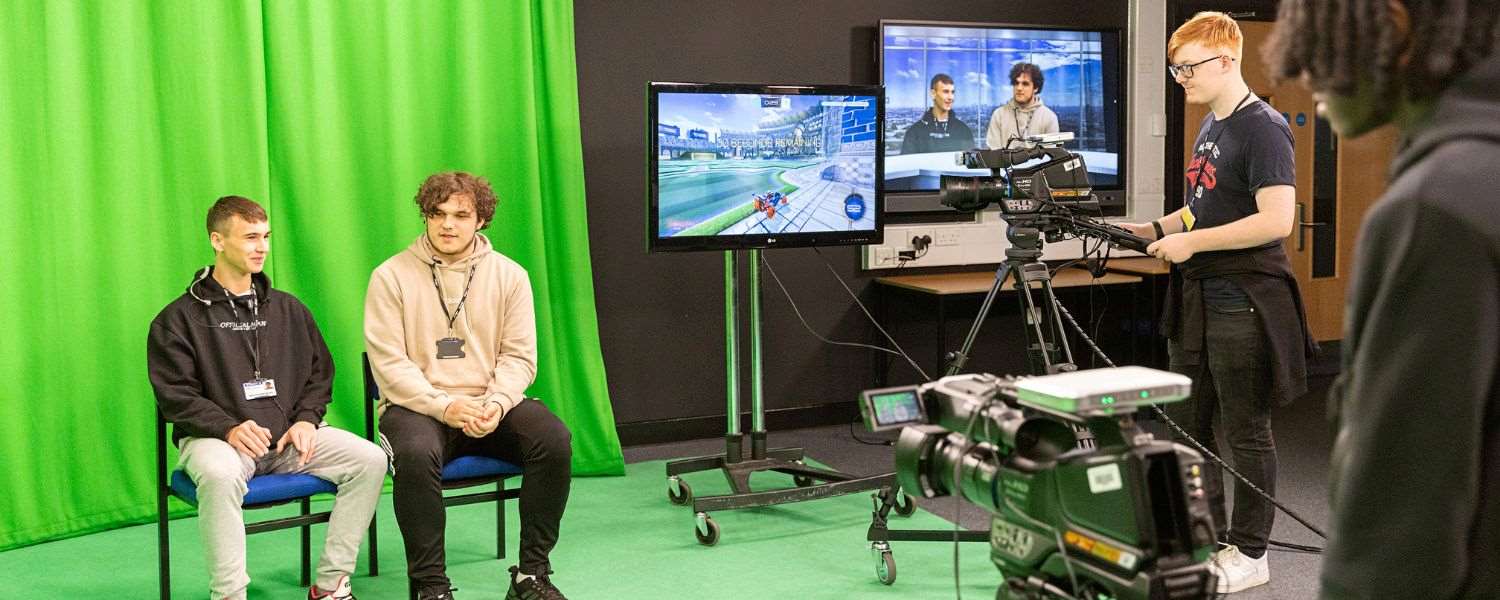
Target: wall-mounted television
[[1082, 84], [736, 166]]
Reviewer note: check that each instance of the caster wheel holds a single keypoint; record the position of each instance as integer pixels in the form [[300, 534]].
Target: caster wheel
[[802, 480], [885, 567], [904, 505], [678, 491], [707, 530]]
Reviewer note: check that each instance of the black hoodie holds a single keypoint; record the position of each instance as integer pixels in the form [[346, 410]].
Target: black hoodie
[[1415, 471], [199, 355], [931, 135]]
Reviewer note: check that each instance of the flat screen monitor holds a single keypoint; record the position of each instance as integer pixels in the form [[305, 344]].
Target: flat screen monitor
[[1081, 83], [736, 166]]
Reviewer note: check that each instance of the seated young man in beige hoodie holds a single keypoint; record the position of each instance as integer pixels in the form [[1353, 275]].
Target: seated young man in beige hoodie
[[451, 335]]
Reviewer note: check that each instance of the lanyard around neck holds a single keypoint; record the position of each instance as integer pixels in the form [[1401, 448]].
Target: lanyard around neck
[[254, 326], [443, 302]]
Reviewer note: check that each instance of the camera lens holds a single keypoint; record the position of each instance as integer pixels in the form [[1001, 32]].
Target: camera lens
[[971, 193]]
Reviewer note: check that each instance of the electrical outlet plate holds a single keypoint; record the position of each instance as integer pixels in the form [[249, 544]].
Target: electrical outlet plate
[[947, 236], [915, 234]]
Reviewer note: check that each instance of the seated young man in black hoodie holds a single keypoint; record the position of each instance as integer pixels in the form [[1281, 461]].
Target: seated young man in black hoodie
[[1415, 471], [242, 373]]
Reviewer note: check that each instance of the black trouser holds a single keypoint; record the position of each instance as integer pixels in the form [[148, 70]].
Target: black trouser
[[529, 435], [1232, 389]]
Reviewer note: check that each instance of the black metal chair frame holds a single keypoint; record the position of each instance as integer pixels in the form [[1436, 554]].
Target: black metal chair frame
[[304, 520]]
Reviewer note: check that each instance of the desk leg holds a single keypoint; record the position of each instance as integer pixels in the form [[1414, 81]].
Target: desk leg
[[942, 350], [1135, 314]]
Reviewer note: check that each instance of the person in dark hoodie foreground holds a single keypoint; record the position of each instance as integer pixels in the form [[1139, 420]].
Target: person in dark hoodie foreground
[[1415, 472], [243, 375]]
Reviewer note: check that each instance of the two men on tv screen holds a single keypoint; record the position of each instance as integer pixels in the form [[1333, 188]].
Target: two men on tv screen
[[940, 130]]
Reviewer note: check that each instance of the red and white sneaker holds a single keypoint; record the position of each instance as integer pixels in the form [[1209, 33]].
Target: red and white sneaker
[[342, 591]]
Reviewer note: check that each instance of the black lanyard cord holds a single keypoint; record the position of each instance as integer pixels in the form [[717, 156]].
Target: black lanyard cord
[[443, 302], [1208, 146], [254, 327], [1016, 114], [1213, 143]]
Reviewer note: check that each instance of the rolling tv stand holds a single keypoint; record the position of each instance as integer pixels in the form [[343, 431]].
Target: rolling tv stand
[[811, 483]]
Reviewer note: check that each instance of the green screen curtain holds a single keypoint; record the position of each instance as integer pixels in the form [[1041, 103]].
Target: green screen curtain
[[123, 121]]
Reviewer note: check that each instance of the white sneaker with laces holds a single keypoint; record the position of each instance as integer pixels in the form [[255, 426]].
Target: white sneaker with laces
[[1238, 572]]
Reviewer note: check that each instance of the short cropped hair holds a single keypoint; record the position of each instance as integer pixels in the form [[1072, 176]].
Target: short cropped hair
[[1212, 30], [939, 78], [439, 186], [233, 206], [1033, 71]]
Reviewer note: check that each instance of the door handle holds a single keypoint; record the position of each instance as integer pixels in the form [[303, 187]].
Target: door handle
[[1303, 225]]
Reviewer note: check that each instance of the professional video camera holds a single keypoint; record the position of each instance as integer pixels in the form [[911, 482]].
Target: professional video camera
[[1124, 520], [1053, 196]]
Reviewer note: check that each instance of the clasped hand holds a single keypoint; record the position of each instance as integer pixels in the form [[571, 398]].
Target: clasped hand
[[477, 418], [252, 440]]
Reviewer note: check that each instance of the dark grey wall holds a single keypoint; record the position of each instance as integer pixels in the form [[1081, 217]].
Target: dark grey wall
[[661, 316]]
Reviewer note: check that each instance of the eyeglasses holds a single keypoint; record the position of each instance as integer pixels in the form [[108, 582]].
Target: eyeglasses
[[1186, 71]]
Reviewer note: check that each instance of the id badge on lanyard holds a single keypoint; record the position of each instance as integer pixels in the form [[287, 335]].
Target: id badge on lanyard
[[259, 387]]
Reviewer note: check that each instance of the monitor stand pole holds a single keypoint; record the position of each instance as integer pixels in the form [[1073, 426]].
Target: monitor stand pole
[[812, 483]]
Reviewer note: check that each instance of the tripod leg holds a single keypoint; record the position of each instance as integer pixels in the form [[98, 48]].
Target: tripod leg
[[1056, 321], [960, 357], [1034, 316]]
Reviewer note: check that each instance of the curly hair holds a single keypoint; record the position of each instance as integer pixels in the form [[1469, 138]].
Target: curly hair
[[1033, 71], [439, 186], [1339, 43]]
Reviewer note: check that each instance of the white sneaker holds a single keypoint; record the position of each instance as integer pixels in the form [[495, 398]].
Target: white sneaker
[[340, 591], [1238, 572]]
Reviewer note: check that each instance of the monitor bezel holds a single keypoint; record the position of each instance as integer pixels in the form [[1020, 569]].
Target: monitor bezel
[[655, 243]]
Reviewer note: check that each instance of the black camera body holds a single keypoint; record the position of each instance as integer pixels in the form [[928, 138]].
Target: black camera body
[[1126, 519], [1062, 177], [1053, 196]]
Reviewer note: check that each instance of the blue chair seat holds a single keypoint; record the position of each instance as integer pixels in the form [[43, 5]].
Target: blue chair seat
[[474, 467], [263, 489]]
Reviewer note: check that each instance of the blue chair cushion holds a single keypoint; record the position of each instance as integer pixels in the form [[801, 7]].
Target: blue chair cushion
[[471, 467], [263, 489]]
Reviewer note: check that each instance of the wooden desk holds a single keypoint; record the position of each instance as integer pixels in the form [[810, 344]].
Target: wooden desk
[[1139, 265], [979, 282], [945, 285]]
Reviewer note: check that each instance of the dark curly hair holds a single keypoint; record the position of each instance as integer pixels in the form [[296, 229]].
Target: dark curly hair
[[1037, 79], [1338, 43], [439, 186]]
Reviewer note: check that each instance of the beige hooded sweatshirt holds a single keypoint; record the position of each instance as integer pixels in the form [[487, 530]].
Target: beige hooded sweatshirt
[[403, 322]]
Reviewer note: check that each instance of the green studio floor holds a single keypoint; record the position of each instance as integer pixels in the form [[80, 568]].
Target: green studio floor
[[621, 540]]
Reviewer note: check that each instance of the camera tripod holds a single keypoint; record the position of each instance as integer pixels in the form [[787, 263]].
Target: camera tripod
[[1048, 352]]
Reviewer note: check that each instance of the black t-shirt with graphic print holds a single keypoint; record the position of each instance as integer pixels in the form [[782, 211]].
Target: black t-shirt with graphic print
[[1232, 160]]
